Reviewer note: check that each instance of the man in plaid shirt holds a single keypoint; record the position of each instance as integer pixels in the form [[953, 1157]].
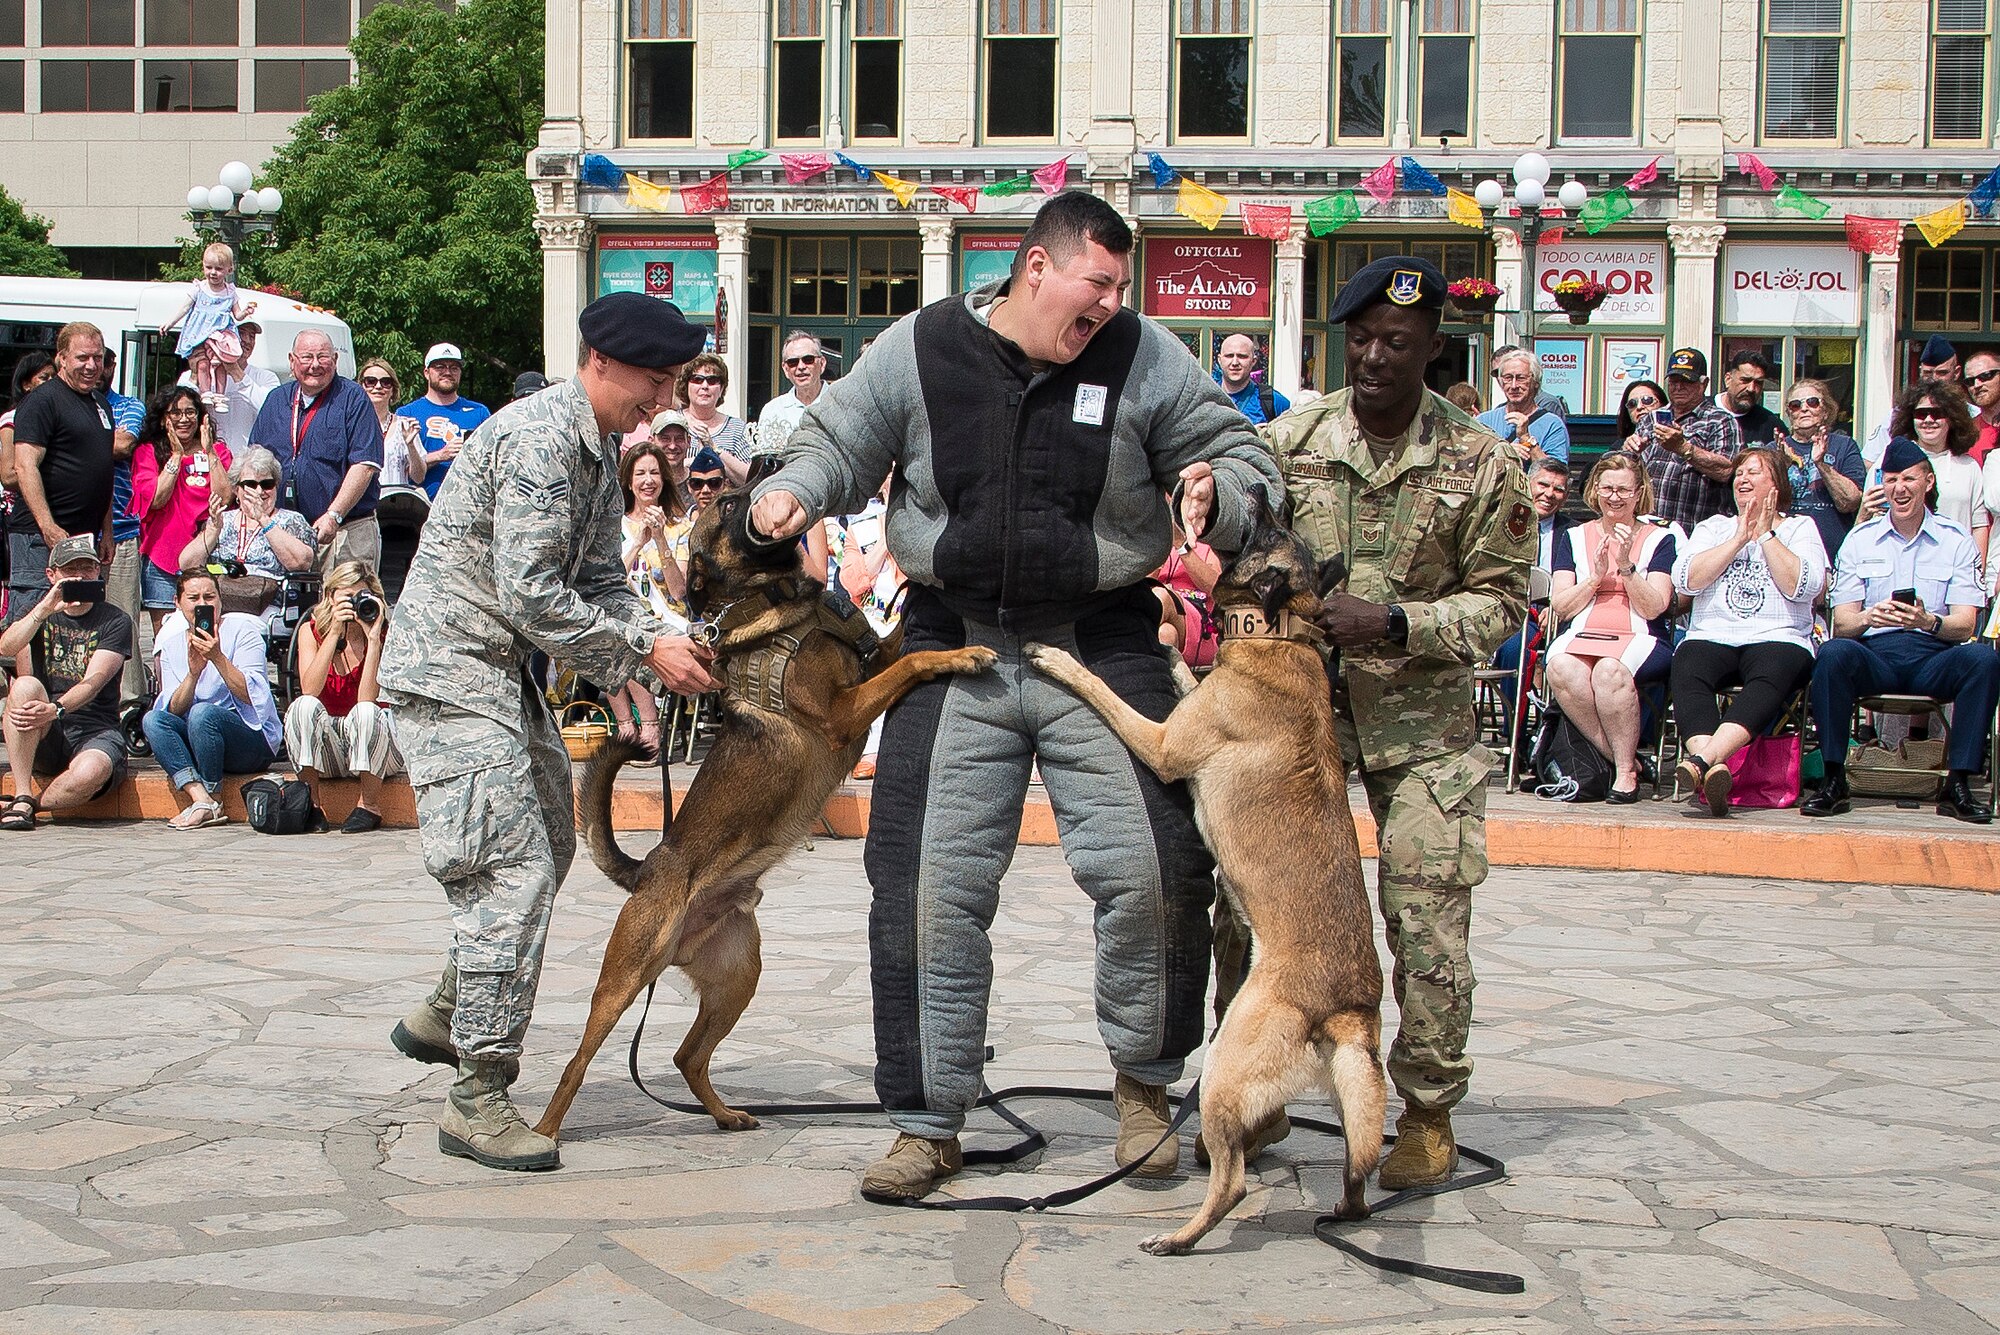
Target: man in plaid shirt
[[1690, 458]]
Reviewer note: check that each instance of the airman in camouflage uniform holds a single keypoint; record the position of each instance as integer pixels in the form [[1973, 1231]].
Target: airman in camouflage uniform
[[1434, 520], [520, 552]]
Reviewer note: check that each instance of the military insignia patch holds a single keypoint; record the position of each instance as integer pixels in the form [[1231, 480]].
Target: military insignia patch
[[1518, 520], [1405, 285], [544, 496]]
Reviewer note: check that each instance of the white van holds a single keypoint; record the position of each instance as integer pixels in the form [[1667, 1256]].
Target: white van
[[130, 314]]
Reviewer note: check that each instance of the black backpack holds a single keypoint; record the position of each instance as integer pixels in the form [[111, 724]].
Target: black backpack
[[281, 806]]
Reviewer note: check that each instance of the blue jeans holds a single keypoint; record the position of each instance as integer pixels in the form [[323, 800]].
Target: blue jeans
[[210, 742]]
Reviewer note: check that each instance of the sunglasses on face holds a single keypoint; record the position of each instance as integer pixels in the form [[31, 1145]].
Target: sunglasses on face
[[1927, 414], [806, 360], [377, 382], [704, 484], [1797, 404], [704, 380], [1642, 402], [1981, 378], [259, 483]]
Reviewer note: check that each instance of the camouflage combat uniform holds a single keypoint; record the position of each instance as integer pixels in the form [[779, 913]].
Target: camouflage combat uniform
[[520, 553], [1444, 529]]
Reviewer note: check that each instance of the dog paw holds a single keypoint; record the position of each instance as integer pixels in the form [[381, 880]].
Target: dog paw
[[732, 1120], [1162, 1244], [1048, 659], [973, 661]]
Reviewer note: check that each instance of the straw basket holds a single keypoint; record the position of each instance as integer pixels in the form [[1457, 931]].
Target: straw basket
[[586, 728]]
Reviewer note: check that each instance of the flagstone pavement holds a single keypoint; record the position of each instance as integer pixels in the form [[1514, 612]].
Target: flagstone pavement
[[1725, 1105]]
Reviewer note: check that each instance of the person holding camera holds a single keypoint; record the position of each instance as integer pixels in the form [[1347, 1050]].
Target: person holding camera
[[214, 714], [61, 720], [336, 728]]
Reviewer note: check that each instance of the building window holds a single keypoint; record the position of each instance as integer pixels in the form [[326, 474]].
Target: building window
[[1444, 57], [1959, 31], [190, 85], [86, 85], [191, 23], [1948, 288], [659, 46], [1599, 82], [1212, 81], [1020, 97], [876, 75], [13, 92], [87, 23], [302, 23], [14, 23], [816, 279], [1803, 46], [888, 271], [287, 85], [1361, 61], [796, 69]]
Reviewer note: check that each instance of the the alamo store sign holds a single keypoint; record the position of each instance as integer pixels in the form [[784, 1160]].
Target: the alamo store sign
[[1207, 278]]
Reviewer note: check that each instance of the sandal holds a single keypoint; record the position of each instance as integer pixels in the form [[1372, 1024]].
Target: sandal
[[1715, 786], [1689, 774], [18, 813], [199, 816]]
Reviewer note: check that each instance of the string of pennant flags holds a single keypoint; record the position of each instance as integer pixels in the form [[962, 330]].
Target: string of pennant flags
[[712, 195], [1325, 215]]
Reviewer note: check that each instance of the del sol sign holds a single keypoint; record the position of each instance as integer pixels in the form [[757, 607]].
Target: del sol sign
[[1208, 278], [1635, 272], [1790, 284]]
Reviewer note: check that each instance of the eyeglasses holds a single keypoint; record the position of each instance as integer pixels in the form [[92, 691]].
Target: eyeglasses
[[183, 412], [1617, 491], [377, 382], [704, 484], [1797, 404], [1927, 414], [1642, 402], [1981, 378], [704, 380], [259, 483], [806, 360], [312, 358]]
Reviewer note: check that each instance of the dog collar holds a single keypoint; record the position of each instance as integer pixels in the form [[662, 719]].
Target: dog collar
[[1249, 623]]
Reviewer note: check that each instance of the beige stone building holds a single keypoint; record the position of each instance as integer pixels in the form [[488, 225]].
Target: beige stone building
[[1879, 107]]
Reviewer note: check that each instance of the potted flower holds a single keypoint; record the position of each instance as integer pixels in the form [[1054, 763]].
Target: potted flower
[[1579, 296], [1474, 297]]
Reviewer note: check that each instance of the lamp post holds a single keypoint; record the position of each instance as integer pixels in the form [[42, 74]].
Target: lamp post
[[1530, 194], [233, 210]]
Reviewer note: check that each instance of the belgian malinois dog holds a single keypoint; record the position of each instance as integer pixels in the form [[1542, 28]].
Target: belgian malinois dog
[[1255, 742], [800, 696]]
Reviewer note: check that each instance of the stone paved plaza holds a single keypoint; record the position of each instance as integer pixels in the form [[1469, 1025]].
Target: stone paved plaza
[[1726, 1105]]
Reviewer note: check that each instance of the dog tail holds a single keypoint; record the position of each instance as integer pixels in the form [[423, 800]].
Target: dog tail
[[595, 806], [1355, 1071]]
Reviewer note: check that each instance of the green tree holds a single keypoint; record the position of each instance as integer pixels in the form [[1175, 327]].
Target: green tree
[[406, 208], [24, 244]]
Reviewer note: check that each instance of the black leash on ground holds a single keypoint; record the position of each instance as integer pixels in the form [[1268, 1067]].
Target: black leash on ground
[[1032, 1141]]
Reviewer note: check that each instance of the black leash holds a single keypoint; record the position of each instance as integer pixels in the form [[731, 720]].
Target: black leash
[[1032, 1141]]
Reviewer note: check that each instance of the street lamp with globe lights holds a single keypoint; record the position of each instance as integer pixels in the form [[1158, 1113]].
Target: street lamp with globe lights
[[233, 209], [1530, 196]]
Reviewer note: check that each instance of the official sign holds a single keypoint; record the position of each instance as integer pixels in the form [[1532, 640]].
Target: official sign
[[985, 257], [675, 267], [1634, 271], [1790, 285], [1208, 278]]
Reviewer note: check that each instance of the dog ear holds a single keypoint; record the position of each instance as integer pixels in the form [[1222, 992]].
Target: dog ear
[[763, 466], [1273, 589], [1260, 507], [1331, 572]]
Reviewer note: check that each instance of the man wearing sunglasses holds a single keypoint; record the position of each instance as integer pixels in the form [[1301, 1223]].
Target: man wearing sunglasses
[[1982, 386], [706, 479], [805, 366], [521, 554]]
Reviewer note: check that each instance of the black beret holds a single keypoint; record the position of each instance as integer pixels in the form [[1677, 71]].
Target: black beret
[[1400, 280], [1903, 453], [641, 331]]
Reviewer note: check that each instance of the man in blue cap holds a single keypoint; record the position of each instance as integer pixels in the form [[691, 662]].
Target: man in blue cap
[[1906, 598], [1939, 360], [520, 553], [1432, 514]]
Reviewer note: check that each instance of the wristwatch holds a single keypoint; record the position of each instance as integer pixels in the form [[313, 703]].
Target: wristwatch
[[1399, 625], [337, 517], [1937, 626]]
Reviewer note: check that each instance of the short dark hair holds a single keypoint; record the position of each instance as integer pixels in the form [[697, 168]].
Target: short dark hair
[[189, 576], [1749, 357], [1066, 222]]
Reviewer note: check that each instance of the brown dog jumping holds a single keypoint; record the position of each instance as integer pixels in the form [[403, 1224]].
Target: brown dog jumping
[[1255, 742], [802, 688]]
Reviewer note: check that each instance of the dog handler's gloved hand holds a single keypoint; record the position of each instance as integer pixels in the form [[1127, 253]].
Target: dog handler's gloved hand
[[681, 664], [1349, 621], [778, 514]]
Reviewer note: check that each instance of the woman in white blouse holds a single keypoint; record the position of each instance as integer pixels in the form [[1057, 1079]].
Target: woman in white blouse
[[1754, 577]]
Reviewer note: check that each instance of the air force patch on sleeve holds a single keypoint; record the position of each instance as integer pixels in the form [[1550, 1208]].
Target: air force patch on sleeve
[[543, 496], [1405, 286]]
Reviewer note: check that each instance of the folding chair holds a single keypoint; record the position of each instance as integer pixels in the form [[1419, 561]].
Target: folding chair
[[1489, 682]]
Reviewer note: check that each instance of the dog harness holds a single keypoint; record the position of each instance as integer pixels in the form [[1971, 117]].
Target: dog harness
[[755, 676]]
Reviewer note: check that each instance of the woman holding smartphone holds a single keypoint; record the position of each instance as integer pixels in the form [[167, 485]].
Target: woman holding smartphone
[[1638, 414], [1612, 590], [215, 714], [180, 471]]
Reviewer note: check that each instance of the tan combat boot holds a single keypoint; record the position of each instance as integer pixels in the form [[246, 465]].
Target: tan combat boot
[[425, 1033], [1142, 1120], [480, 1123], [1424, 1153], [1268, 1133], [912, 1168]]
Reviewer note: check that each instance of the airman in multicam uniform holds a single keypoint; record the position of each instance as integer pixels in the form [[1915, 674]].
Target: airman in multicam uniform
[[521, 552], [1434, 520]]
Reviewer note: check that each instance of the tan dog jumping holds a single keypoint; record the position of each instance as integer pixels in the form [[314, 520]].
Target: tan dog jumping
[[1255, 742]]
